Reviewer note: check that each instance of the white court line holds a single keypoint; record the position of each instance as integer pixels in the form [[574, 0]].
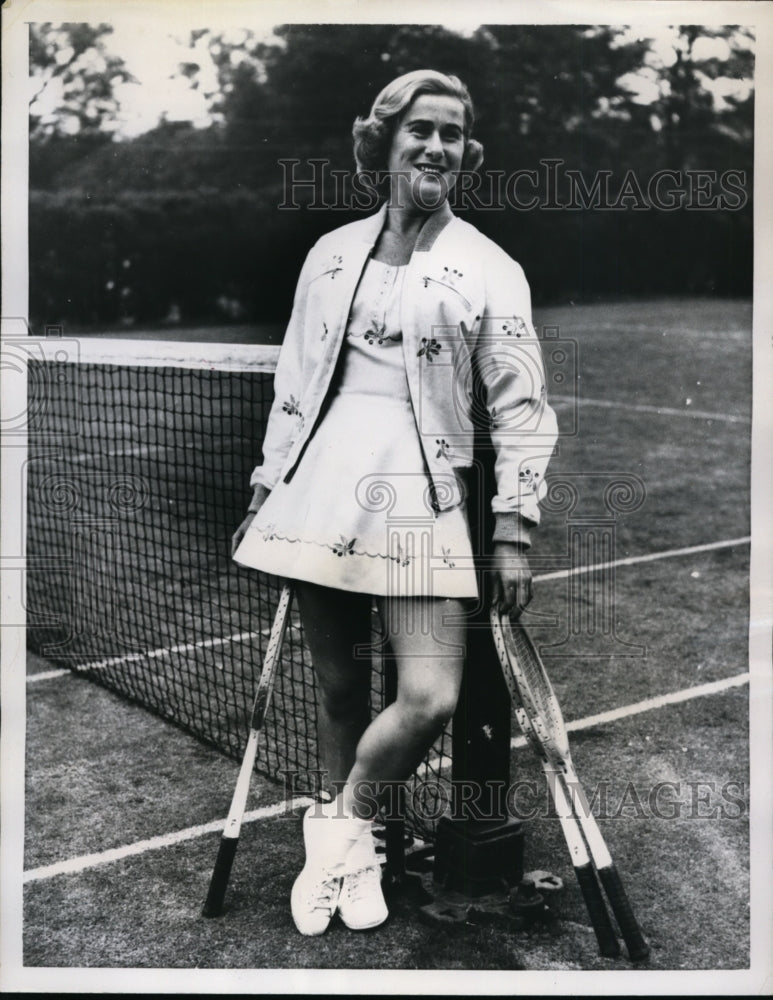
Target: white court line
[[49, 675], [79, 864], [660, 701], [74, 865], [560, 574], [689, 550], [151, 654], [663, 411]]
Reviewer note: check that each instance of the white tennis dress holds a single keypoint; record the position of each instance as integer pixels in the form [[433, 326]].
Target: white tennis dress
[[358, 514]]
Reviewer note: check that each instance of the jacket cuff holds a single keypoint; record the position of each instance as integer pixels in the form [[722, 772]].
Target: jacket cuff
[[509, 526], [260, 477]]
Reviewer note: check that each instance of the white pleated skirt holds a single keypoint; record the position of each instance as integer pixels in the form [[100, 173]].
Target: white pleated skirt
[[357, 514]]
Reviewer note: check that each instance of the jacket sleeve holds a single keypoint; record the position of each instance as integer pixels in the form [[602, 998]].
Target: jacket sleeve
[[285, 417], [523, 426]]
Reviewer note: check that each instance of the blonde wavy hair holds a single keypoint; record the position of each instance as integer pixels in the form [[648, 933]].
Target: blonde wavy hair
[[373, 135]]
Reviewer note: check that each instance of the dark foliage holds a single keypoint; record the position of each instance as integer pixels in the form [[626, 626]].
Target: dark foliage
[[186, 224]]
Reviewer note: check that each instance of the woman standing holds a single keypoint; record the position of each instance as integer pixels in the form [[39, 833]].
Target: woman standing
[[361, 494]]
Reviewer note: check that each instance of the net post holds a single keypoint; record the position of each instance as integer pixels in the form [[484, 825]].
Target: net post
[[479, 847]]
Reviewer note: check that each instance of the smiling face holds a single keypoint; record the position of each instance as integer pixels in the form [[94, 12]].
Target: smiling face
[[427, 150]]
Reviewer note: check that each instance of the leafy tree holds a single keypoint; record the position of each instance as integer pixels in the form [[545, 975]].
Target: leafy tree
[[194, 211], [692, 131], [537, 89], [74, 75], [73, 104]]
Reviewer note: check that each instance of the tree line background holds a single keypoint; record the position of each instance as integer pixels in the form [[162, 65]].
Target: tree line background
[[182, 225]]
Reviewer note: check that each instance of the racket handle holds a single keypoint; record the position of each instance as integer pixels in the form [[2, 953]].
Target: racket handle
[[626, 921], [602, 925], [213, 905]]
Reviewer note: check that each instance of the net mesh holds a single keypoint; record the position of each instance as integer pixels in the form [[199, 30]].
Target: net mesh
[[137, 479]]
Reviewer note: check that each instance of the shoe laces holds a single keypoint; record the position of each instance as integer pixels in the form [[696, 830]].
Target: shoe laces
[[362, 882], [323, 893]]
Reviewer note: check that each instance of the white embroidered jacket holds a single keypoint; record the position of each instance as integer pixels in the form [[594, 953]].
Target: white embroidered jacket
[[465, 304]]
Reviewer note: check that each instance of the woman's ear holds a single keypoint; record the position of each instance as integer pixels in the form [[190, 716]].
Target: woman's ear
[[473, 155]]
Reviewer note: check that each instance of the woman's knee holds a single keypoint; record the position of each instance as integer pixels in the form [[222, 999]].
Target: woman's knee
[[430, 708]]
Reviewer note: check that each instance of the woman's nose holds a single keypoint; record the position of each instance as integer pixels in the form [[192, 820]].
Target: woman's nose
[[434, 145]]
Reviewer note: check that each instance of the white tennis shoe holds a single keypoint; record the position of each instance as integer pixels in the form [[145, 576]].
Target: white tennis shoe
[[361, 903], [316, 891], [314, 900]]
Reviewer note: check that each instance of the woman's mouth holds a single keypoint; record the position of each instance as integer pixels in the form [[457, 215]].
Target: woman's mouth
[[431, 169]]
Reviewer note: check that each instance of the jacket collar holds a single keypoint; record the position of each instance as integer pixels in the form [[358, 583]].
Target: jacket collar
[[433, 226]]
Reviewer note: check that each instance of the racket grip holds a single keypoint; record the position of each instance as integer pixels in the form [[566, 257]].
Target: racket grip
[[626, 921], [602, 925], [213, 905]]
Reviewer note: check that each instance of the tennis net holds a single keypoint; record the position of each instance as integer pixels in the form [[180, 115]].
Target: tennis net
[[140, 454]]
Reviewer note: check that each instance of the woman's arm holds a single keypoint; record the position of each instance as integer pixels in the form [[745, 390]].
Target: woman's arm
[[523, 426], [284, 417], [282, 424]]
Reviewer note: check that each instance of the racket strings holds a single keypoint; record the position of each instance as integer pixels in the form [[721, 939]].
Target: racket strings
[[539, 716], [540, 700]]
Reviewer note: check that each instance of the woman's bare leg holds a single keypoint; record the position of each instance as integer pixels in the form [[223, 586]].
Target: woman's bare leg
[[342, 868], [335, 623], [427, 638]]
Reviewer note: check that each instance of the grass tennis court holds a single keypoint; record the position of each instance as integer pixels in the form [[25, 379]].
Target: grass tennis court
[[120, 779]]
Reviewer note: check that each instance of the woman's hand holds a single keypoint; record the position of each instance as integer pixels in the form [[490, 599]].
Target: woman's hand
[[510, 579], [241, 531], [259, 497]]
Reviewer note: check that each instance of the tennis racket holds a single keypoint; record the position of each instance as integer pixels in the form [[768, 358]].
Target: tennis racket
[[213, 906], [539, 716]]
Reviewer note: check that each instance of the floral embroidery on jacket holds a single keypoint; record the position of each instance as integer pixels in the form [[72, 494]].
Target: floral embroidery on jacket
[[325, 331], [429, 348], [448, 278], [444, 448], [527, 480], [333, 266], [515, 326], [447, 557], [291, 407]]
